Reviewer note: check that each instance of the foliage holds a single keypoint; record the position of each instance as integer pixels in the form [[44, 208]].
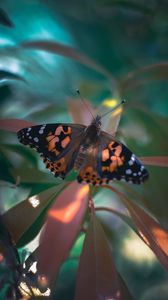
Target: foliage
[[109, 50]]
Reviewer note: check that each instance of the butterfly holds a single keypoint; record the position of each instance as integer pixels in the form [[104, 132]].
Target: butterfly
[[97, 157]]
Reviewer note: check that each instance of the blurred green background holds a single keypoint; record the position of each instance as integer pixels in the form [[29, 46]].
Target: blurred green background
[[129, 40]]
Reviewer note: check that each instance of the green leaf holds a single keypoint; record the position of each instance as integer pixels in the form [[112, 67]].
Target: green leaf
[[6, 168], [128, 5], [6, 75], [22, 217], [26, 153], [4, 19]]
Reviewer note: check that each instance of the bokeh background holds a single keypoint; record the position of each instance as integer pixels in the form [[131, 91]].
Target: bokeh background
[[109, 50]]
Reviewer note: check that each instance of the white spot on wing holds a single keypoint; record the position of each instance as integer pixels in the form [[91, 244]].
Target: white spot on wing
[[128, 171], [130, 162], [133, 157], [36, 139]]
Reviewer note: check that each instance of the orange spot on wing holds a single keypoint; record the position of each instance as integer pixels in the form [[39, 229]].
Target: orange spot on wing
[[118, 150], [50, 137], [110, 146], [58, 130], [113, 165], [89, 169], [62, 167], [105, 168], [65, 142], [69, 130], [52, 142], [105, 155]]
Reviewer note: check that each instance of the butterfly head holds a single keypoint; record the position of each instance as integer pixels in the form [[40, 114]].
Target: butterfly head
[[97, 121]]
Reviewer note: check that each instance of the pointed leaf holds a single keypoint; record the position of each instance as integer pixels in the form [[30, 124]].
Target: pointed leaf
[[14, 125], [111, 123], [57, 48], [161, 161], [151, 232], [97, 277], [4, 19], [21, 218], [152, 72], [6, 75], [24, 152], [122, 216], [79, 112], [64, 222], [125, 4]]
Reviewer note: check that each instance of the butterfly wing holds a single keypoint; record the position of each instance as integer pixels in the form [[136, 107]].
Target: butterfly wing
[[111, 160], [118, 162], [57, 144]]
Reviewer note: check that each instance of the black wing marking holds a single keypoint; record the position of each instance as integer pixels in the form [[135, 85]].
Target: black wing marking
[[52, 141], [118, 162]]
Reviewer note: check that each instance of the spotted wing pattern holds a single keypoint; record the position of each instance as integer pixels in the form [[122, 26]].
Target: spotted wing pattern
[[111, 162], [66, 146], [57, 144]]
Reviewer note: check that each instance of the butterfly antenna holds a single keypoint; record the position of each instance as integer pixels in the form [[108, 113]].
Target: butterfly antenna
[[111, 110], [83, 101]]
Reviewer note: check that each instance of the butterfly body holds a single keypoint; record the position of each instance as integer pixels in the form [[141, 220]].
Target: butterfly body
[[94, 154]]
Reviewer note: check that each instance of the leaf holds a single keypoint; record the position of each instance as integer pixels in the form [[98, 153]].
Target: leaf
[[122, 216], [4, 19], [161, 161], [149, 138], [67, 51], [34, 176], [21, 218], [84, 113], [24, 152], [141, 75], [9, 264], [14, 125], [128, 5], [111, 123], [6, 168], [97, 277], [150, 231], [64, 222], [79, 112], [6, 75], [7, 247]]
